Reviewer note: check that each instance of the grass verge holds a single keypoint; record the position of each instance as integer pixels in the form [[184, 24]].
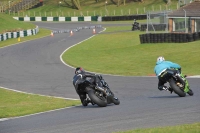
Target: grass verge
[[121, 53], [14, 104], [10, 24], [186, 128]]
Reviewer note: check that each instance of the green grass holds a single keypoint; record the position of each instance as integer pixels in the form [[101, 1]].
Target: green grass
[[9, 24], [122, 54], [18, 104], [186, 128]]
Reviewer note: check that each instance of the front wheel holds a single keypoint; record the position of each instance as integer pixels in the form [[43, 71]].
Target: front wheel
[[176, 88], [116, 101], [95, 96]]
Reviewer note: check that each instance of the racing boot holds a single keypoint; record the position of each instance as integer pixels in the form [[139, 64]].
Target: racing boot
[[170, 89], [84, 102]]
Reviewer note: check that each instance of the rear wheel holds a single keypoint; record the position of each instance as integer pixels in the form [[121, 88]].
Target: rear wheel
[[97, 98], [190, 92], [176, 88]]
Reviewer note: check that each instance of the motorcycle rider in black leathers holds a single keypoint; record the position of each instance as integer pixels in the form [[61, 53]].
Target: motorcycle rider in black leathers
[[80, 76]]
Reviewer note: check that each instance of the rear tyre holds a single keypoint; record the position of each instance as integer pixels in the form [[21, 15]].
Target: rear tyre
[[99, 100], [190, 92], [176, 88]]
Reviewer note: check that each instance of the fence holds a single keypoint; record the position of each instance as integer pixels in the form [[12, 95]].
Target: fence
[[18, 5], [156, 21], [103, 12]]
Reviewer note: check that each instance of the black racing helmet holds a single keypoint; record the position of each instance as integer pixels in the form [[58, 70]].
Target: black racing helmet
[[79, 70]]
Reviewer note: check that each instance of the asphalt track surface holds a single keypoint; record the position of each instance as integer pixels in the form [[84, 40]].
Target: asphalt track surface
[[35, 67]]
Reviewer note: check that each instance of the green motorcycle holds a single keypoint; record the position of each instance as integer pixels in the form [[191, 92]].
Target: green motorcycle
[[177, 82]]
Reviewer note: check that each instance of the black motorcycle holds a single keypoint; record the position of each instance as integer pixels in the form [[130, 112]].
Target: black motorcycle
[[135, 26], [177, 82], [98, 93]]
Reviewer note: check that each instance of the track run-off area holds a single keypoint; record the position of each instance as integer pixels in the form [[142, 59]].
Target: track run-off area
[[35, 67]]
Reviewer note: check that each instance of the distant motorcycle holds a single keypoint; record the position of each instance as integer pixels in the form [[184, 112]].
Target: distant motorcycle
[[177, 82], [98, 93], [135, 26]]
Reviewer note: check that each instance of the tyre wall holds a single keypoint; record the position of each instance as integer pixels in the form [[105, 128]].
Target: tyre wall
[[23, 33], [121, 18], [169, 37], [157, 27]]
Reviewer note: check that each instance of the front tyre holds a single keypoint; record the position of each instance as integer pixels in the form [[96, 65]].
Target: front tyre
[[101, 101], [116, 101], [176, 88]]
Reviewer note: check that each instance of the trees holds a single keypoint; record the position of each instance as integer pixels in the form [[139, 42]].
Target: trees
[[73, 4]]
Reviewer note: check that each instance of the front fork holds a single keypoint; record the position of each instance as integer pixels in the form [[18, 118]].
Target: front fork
[[186, 89]]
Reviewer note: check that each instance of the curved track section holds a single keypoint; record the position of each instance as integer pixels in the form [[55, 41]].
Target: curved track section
[[35, 67]]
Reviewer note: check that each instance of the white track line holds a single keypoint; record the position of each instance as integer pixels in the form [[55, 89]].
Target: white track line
[[4, 119], [36, 94]]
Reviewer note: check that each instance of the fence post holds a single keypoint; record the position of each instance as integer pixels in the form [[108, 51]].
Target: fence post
[[153, 8], [144, 9], [137, 10]]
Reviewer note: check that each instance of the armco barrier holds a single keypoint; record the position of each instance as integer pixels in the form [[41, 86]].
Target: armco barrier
[[24, 33], [74, 19], [169, 37], [84, 18]]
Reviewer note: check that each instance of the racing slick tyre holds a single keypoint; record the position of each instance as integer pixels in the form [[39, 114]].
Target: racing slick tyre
[[101, 101], [116, 101], [176, 88]]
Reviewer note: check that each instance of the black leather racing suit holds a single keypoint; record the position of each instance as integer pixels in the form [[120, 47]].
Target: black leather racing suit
[[80, 77]]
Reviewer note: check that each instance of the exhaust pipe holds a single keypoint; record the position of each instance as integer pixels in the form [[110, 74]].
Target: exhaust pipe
[[101, 89]]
